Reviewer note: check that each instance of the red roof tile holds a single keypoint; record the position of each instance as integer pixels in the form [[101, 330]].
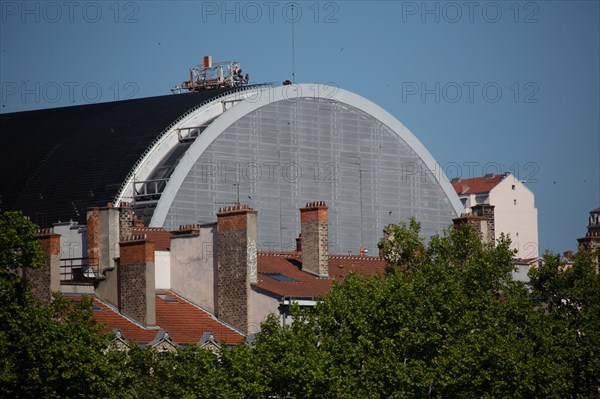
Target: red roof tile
[[307, 285], [185, 322], [477, 184], [131, 331], [160, 236], [597, 210]]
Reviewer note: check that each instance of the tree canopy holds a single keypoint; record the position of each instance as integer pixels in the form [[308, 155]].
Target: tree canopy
[[18, 244], [445, 320]]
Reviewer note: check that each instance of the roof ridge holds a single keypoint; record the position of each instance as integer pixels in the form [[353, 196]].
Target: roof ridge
[[278, 253], [357, 257]]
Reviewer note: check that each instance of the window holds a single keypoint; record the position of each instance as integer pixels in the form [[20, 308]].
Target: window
[[166, 298], [280, 277], [96, 308], [481, 199], [513, 186], [515, 201]]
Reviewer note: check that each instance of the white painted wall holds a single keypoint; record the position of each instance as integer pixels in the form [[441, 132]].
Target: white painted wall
[[72, 240], [521, 273], [162, 263], [261, 306], [515, 214]]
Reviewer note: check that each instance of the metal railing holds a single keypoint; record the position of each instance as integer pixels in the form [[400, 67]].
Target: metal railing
[[168, 129], [78, 270], [148, 189]]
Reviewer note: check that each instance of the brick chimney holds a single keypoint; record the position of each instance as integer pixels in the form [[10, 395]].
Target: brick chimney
[[236, 264], [136, 279], [315, 240], [93, 236], [486, 211], [479, 223], [45, 279], [126, 220], [103, 236]]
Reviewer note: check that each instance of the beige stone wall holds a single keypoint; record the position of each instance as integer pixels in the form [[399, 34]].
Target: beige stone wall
[[194, 266]]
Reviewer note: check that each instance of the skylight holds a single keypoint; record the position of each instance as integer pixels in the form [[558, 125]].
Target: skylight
[[280, 277], [96, 308], [166, 298]]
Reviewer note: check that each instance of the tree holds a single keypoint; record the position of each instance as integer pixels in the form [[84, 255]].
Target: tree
[[51, 351], [446, 320], [569, 297], [18, 244]]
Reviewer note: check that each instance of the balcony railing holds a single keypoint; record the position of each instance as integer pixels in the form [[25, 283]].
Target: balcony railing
[[78, 270]]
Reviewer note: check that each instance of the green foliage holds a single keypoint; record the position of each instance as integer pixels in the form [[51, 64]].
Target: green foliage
[[402, 246], [50, 351], [569, 296], [45, 351], [446, 320], [18, 244]]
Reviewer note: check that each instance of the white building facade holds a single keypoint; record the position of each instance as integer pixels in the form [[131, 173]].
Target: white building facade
[[515, 213]]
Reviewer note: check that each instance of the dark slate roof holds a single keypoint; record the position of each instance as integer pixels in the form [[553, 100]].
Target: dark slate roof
[[55, 163]]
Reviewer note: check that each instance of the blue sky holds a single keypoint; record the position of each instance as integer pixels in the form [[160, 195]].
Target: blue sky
[[487, 86]]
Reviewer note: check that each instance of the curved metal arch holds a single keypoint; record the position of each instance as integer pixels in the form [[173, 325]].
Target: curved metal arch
[[157, 144], [292, 93]]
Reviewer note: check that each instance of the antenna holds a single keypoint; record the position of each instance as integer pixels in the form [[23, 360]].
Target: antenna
[[293, 46]]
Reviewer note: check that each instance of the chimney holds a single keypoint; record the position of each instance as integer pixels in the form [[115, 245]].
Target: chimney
[[479, 223], [193, 262], [568, 255], [103, 236], [187, 229], [136, 279], [236, 264], [486, 211], [93, 236], [45, 279], [126, 220], [315, 240]]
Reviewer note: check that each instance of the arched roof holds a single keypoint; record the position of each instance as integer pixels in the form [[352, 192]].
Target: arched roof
[[292, 93], [55, 163]]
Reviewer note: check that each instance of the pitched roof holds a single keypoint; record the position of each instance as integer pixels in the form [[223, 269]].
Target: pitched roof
[[112, 319], [597, 210], [160, 236], [477, 185], [55, 163], [185, 322], [306, 285]]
